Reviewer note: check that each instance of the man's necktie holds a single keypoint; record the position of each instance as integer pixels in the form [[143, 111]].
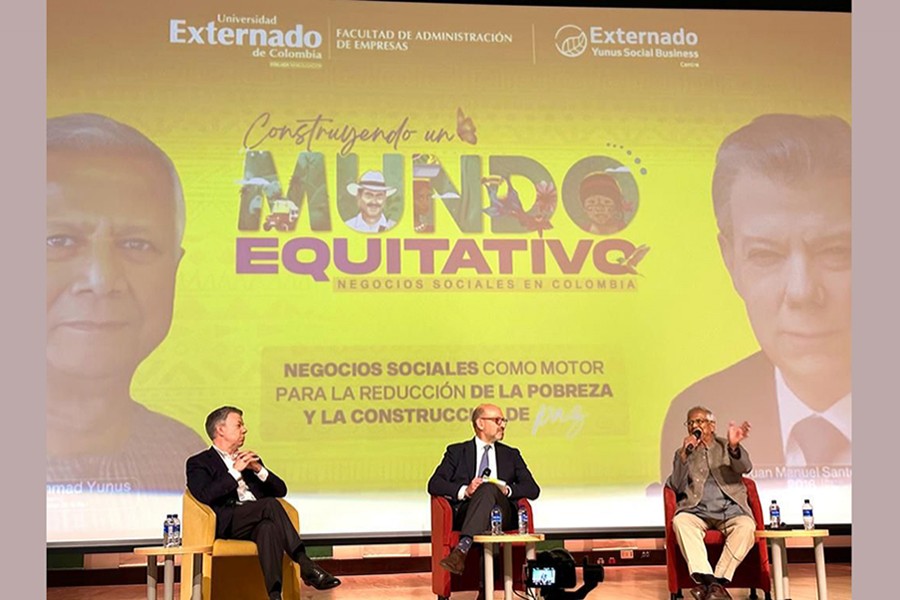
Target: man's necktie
[[484, 461], [821, 442]]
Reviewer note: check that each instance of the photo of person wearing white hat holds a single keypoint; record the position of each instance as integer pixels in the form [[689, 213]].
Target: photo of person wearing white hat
[[371, 193]]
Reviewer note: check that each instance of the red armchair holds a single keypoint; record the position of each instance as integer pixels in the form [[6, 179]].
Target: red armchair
[[753, 572], [444, 539]]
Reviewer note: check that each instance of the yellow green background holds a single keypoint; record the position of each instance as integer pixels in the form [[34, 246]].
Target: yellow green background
[[683, 320]]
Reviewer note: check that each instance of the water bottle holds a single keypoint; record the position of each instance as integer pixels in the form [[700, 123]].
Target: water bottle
[[808, 516], [168, 525], [774, 516], [496, 521], [523, 521], [176, 530]]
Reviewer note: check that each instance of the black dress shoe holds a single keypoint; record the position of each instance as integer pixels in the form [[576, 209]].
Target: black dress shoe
[[718, 592], [320, 579], [700, 592]]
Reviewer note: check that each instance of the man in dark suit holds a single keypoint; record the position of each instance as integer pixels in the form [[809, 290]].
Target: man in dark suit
[[464, 477], [243, 494], [781, 196]]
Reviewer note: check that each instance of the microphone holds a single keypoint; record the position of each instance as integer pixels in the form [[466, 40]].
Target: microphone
[[486, 472], [696, 433]]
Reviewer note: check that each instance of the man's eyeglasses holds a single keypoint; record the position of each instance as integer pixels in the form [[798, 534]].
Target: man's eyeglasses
[[497, 420], [700, 422]]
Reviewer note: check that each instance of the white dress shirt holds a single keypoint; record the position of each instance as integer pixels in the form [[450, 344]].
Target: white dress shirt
[[244, 493], [492, 464]]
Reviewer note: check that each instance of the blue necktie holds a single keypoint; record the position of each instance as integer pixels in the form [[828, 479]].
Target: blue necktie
[[484, 462]]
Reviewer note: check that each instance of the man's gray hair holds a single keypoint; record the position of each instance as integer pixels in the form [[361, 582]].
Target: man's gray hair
[[217, 417], [476, 414], [87, 132], [709, 414], [785, 148]]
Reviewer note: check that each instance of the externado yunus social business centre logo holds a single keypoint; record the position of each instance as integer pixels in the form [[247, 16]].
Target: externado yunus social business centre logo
[[571, 41]]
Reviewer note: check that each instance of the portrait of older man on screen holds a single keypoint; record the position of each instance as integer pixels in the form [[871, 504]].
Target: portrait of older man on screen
[[781, 195], [115, 219]]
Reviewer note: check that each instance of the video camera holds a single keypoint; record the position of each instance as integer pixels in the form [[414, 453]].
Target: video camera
[[554, 570]]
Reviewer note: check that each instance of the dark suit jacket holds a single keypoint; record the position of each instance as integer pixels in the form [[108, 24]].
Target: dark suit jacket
[[210, 483], [744, 391], [458, 468]]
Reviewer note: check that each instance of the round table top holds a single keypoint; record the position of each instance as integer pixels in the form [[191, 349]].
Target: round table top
[[791, 533], [171, 550], [509, 537]]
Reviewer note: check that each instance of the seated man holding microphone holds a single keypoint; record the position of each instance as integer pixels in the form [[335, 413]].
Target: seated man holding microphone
[[463, 474], [707, 476]]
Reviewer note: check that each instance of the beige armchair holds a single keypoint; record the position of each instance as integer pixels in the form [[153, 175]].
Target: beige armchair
[[232, 571]]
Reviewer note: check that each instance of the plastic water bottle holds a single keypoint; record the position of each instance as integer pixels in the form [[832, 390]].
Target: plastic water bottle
[[176, 530], [808, 516], [774, 515], [496, 521], [523, 521], [168, 526]]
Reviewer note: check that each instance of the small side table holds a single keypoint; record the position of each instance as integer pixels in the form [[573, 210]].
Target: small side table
[[506, 542], [779, 558], [193, 553]]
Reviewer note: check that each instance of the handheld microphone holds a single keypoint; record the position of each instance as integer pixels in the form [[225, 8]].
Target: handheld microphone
[[486, 472], [696, 433]]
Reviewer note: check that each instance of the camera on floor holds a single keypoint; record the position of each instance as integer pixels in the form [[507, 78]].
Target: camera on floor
[[554, 570]]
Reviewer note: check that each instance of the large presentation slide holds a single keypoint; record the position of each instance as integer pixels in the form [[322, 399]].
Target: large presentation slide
[[357, 221]]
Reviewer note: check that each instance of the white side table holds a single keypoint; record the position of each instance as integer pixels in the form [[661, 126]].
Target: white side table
[[779, 558], [192, 553], [506, 542]]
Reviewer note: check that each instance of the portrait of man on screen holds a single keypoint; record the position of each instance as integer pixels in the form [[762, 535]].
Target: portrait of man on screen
[[781, 195], [115, 220], [371, 193]]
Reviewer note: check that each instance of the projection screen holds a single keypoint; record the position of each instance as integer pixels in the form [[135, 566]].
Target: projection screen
[[543, 236]]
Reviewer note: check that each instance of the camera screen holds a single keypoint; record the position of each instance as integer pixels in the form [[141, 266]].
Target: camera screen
[[542, 576]]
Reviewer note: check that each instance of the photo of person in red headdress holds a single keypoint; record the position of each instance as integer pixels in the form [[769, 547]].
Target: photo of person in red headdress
[[603, 203]]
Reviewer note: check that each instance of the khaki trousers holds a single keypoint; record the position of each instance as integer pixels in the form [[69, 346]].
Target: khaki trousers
[[740, 535]]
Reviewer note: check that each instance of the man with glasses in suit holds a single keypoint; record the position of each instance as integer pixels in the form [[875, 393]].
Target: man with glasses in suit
[[478, 474]]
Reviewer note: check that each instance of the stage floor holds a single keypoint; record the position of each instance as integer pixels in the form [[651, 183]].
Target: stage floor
[[622, 583]]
